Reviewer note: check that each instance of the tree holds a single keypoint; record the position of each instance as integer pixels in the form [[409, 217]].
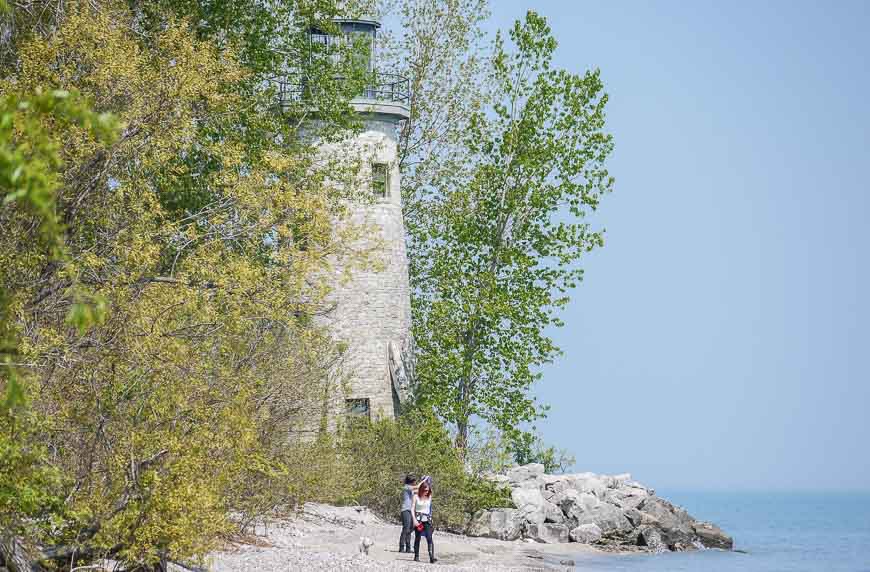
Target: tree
[[503, 237], [29, 160], [204, 235], [439, 48]]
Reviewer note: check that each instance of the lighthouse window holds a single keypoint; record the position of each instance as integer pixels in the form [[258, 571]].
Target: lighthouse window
[[380, 180], [358, 408]]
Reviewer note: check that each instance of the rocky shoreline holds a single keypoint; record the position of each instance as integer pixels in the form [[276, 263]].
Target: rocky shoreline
[[611, 512], [557, 519], [323, 538]]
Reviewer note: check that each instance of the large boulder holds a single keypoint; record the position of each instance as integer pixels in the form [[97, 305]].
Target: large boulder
[[547, 532], [585, 534], [529, 501], [553, 513], [587, 483], [554, 485], [651, 537], [526, 475], [626, 497], [574, 503], [711, 536], [586, 508], [673, 524], [501, 523], [669, 517]]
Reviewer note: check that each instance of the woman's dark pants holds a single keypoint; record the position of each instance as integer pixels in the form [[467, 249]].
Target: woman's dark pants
[[405, 537], [427, 532]]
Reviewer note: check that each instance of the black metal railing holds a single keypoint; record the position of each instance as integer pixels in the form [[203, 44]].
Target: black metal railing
[[381, 87]]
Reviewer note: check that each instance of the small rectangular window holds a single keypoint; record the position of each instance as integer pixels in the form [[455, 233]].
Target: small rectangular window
[[380, 180], [358, 408]]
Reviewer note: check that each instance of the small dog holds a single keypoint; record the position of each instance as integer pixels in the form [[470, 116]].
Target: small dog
[[364, 544]]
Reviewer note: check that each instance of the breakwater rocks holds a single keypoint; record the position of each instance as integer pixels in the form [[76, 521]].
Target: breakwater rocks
[[610, 512]]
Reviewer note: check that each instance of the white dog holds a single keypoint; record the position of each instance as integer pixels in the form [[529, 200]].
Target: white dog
[[364, 544]]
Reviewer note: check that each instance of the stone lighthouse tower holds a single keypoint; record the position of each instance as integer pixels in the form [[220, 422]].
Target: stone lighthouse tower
[[371, 313]]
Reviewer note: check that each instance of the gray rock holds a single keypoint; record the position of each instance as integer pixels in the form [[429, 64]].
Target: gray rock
[[585, 534], [620, 480], [711, 536], [525, 473], [530, 502], [651, 537], [590, 508], [674, 525], [501, 523], [626, 497], [553, 513], [608, 517], [574, 503], [589, 483], [669, 517], [547, 532], [348, 516], [554, 485], [586, 508]]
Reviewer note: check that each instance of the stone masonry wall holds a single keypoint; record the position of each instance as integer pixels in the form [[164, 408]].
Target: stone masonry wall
[[372, 309]]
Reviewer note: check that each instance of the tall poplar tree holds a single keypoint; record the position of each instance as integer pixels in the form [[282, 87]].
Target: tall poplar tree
[[502, 236]]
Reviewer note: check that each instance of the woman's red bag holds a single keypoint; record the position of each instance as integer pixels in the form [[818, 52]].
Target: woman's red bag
[[420, 526]]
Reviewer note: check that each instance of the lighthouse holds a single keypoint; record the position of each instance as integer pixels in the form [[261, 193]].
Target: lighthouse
[[370, 313]]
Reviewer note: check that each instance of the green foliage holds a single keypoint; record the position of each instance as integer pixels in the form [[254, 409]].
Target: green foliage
[[30, 159], [30, 487], [496, 252], [438, 46], [30, 156], [151, 282], [530, 448], [377, 455], [167, 237]]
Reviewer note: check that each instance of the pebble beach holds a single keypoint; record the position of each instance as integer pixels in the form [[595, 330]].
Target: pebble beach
[[322, 538]]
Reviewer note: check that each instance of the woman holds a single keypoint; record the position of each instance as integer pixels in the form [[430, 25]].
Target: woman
[[407, 510], [422, 515]]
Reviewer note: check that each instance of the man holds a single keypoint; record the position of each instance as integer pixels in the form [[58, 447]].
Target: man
[[408, 492]]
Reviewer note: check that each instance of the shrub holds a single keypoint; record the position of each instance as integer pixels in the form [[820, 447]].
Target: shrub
[[377, 455], [531, 448]]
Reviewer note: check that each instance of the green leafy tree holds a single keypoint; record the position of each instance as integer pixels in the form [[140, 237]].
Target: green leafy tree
[[29, 163], [157, 285], [503, 237], [439, 48]]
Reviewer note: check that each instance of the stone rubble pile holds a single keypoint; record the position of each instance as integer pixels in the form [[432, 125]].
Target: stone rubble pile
[[607, 511]]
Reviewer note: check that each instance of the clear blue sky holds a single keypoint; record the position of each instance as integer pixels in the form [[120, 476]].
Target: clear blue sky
[[721, 339]]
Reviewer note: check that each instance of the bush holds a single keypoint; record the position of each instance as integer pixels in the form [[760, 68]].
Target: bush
[[531, 448], [374, 457]]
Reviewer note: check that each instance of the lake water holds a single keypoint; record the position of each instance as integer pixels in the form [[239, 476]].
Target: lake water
[[781, 532]]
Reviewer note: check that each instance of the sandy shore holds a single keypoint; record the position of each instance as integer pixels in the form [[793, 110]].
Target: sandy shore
[[325, 538]]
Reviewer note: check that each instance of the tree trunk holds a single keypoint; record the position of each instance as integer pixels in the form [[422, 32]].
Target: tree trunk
[[462, 437]]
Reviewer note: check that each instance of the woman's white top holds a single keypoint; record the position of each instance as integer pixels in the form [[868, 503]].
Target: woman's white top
[[423, 506]]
